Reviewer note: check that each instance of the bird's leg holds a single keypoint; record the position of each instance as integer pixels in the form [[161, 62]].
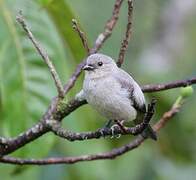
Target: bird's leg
[[106, 126], [121, 126], [148, 131], [113, 131], [118, 124]]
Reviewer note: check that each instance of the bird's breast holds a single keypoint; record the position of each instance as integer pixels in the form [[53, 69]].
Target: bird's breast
[[109, 99]]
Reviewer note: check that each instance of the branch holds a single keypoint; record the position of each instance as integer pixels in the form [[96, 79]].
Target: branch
[[74, 76], [8, 145], [98, 44], [108, 27], [39, 129], [43, 54], [73, 104], [81, 35], [56, 111], [106, 155], [71, 136], [160, 87], [167, 116], [63, 110], [127, 37], [60, 109]]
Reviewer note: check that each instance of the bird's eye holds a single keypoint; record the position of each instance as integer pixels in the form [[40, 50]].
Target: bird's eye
[[100, 63]]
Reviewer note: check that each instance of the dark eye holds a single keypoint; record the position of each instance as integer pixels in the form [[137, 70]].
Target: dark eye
[[100, 63]]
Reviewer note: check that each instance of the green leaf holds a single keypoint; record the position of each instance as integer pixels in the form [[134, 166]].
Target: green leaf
[[62, 16], [26, 86]]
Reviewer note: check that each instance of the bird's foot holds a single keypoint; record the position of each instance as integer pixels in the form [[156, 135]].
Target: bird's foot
[[118, 125], [103, 131], [108, 124], [105, 128], [114, 135], [121, 126]]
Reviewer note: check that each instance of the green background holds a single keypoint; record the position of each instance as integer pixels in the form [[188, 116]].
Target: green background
[[162, 49]]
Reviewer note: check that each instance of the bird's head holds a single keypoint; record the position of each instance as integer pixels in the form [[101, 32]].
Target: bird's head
[[99, 65]]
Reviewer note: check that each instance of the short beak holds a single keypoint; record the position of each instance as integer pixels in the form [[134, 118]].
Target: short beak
[[88, 67]]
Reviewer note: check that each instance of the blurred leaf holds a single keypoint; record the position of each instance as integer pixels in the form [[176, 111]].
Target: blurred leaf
[[62, 16], [26, 86]]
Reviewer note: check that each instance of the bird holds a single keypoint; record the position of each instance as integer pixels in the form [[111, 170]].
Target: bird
[[112, 92]]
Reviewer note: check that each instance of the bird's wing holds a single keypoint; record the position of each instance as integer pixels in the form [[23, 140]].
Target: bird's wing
[[135, 93]]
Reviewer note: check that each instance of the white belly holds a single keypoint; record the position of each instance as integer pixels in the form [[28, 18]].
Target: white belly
[[109, 99]]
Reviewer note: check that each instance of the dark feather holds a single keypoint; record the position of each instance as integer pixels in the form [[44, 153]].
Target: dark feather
[[130, 88]]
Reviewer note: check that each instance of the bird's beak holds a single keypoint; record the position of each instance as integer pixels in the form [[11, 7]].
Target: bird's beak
[[88, 67]]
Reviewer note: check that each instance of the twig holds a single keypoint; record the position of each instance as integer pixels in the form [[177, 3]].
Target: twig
[[167, 116], [43, 54], [71, 160], [74, 77], [98, 43], [146, 88], [81, 35], [71, 136], [106, 155], [108, 27], [8, 145], [56, 111], [160, 87], [128, 33]]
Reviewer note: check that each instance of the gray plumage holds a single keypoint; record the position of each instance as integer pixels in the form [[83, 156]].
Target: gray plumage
[[111, 91]]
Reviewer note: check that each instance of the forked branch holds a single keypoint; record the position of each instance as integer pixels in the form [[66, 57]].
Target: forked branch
[[43, 54], [60, 108], [127, 37], [81, 35], [102, 37], [106, 155]]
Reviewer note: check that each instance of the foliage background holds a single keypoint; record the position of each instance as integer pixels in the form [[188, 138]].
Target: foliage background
[[162, 49]]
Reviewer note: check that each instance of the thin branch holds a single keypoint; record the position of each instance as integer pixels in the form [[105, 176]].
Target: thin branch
[[167, 116], [106, 155], [108, 27], [101, 39], [71, 136], [128, 33], [56, 111], [71, 160], [8, 145], [74, 76], [160, 87], [43, 54], [150, 88], [98, 44], [81, 35]]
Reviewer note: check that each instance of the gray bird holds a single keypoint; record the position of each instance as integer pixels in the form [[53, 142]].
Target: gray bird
[[113, 92]]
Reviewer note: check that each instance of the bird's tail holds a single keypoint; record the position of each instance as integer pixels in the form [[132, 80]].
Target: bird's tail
[[149, 132]]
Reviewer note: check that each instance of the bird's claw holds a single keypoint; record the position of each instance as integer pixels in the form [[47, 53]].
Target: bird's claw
[[115, 126], [105, 128], [102, 131]]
